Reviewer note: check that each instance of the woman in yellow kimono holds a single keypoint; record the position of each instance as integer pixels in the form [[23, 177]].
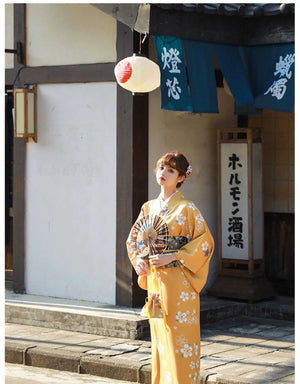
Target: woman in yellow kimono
[[181, 276]]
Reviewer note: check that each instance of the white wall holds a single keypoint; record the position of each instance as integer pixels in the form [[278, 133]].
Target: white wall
[[9, 34], [61, 34], [70, 215], [195, 135]]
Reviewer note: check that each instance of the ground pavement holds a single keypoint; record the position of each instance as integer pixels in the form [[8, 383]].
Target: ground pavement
[[242, 349]]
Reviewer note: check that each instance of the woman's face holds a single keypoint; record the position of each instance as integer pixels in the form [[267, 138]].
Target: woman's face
[[167, 176]]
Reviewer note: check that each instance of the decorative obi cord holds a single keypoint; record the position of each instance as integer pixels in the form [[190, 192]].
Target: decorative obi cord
[[174, 243]]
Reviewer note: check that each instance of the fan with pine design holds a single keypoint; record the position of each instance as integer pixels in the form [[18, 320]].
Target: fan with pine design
[[149, 236]]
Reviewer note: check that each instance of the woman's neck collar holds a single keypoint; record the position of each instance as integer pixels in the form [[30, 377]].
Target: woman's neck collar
[[166, 194]]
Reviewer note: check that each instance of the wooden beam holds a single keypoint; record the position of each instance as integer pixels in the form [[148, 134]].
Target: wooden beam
[[82, 73], [68, 73]]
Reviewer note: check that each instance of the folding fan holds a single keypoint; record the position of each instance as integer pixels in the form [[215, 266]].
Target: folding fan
[[149, 236]]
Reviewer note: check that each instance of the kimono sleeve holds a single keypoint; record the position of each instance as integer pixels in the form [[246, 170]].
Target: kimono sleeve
[[194, 257]]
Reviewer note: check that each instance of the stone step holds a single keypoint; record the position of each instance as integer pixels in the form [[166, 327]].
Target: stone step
[[126, 323], [74, 315]]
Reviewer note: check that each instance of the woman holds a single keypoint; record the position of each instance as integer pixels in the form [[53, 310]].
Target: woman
[[181, 276]]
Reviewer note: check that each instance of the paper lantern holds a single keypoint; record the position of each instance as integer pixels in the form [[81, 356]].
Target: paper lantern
[[137, 74]]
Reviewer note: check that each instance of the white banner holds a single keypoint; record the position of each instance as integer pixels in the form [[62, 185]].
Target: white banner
[[234, 201]]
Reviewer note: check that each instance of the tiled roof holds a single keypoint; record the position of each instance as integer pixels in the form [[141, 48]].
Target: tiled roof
[[231, 9]]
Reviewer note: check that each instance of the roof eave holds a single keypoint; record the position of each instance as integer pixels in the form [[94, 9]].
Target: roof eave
[[215, 28]]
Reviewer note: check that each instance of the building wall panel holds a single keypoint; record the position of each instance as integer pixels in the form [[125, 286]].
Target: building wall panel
[[278, 159], [65, 34], [9, 34], [71, 194], [278, 130]]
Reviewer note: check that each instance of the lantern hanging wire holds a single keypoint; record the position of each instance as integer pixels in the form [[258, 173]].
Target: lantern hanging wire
[[142, 42]]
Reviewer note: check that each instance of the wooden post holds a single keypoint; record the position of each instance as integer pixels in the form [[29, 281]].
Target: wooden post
[[132, 174], [250, 202], [19, 156]]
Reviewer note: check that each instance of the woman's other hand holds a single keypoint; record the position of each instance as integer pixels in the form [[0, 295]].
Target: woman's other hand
[[162, 259], [142, 268]]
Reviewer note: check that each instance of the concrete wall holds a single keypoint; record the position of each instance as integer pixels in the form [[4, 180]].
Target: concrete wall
[[61, 34], [195, 135], [71, 194]]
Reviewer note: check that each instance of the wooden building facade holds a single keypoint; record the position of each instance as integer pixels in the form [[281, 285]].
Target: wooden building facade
[[72, 197]]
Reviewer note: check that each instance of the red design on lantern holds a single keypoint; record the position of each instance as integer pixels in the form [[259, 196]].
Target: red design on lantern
[[123, 71]]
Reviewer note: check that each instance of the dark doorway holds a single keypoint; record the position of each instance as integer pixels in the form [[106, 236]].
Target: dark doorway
[[280, 252]]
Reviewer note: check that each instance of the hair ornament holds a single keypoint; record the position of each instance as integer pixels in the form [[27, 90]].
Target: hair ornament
[[189, 170]]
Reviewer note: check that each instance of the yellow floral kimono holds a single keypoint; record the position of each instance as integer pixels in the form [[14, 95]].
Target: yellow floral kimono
[[176, 344]]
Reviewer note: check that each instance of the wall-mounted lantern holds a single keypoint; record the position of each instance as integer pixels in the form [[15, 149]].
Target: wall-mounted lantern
[[137, 74], [25, 113]]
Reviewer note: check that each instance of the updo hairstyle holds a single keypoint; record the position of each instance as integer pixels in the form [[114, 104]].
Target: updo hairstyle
[[175, 160]]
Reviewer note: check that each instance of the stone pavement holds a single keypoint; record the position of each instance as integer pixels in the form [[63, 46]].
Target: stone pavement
[[24, 374], [239, 350]]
